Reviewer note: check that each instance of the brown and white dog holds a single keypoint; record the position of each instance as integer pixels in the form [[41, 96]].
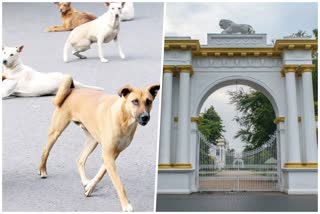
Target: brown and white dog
[[71, 18], [110, 120]]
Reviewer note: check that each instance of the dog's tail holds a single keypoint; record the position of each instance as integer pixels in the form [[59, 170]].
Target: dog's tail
[[64, 90], [66, 48], [80, 85]]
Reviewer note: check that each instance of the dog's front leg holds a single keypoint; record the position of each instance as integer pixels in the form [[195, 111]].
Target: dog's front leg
[[109, 164], [8, 87], [55, 29], [100, 42], [121, 54]]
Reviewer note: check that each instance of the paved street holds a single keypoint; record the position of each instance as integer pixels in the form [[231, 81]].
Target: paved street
[[26, 120], [237, 201]]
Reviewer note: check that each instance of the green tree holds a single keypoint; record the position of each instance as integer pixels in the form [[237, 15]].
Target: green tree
[[256, 118], [210, 125], [315, 76]]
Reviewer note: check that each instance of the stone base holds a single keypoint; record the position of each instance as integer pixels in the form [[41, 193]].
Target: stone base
[[174, 181], [300, 181]]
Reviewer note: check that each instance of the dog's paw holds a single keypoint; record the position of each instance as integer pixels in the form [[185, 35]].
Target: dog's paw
[[128, 208], [88, 188], [104, 60], [42, 173]]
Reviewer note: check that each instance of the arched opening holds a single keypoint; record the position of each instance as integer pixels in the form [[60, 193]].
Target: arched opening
[[226, 166]]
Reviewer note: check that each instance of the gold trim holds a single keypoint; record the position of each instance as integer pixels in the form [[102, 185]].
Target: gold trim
[[278, 120], [280, 45], [175, 166], [169, 69], [185, 69], [282, 119], [182, 44], [296, 68], [195, 119], [192, 119], [311, 165], [175, 69]]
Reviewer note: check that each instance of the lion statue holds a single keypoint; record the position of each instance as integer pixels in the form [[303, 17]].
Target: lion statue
[[230, 27]]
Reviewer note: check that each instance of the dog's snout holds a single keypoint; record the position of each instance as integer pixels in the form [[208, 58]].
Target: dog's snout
[[4, 62], [117, 15], [145, 117]]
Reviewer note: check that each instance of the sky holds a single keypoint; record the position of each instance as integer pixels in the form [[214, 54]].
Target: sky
[[275, 19]]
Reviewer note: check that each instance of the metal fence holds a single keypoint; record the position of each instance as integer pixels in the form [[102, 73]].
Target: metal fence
[[223, 170]]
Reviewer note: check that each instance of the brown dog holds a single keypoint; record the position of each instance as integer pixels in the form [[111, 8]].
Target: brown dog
[[71, 18], [110, 120]]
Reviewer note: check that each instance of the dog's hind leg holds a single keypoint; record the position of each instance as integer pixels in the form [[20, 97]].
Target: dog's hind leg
[[89, 146], [60, 120], [77, 54], [81, 46]]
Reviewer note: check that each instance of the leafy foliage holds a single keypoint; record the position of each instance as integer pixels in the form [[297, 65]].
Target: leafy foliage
[[210, 125], [256, 119], [315, 76]]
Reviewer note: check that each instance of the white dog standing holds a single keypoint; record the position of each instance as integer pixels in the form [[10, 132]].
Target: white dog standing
[[101, 30], [21, 80]]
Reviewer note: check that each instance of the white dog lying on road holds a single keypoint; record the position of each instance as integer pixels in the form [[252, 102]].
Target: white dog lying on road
[[127, 12], [101, 30], [21, 80]]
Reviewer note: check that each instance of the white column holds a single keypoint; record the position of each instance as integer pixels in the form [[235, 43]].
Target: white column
[[183, 119], [166, 118], [310, 137], [292, 119]]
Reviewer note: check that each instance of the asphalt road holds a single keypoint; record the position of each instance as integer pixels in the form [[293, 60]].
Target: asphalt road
[[26, 120], [237, 202]]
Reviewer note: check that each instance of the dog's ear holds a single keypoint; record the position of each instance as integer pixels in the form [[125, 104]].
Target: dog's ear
[[153, 89], [19, 49], [124, 91], [68, 4], [122, 4], [107, 4]]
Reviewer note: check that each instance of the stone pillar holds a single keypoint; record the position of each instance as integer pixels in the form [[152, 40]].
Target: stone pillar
[[166, 117], [308, 121], [294, 155], [182, 156]]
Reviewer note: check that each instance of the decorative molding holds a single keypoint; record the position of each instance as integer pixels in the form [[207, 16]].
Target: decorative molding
[[296, 68], [175, 166], [279, 47], [301, 165], [239, 62], [176, 69], [182, 44]]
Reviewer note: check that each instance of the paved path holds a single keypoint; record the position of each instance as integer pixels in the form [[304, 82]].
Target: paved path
[[26, 120], [237, 201]]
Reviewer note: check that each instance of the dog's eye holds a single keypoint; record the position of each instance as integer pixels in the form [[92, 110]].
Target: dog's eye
[[11, 54], [148, 102], [135, 102], [119, 8]]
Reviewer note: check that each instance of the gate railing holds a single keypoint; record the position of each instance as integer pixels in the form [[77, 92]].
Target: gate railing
[[254, 170]]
